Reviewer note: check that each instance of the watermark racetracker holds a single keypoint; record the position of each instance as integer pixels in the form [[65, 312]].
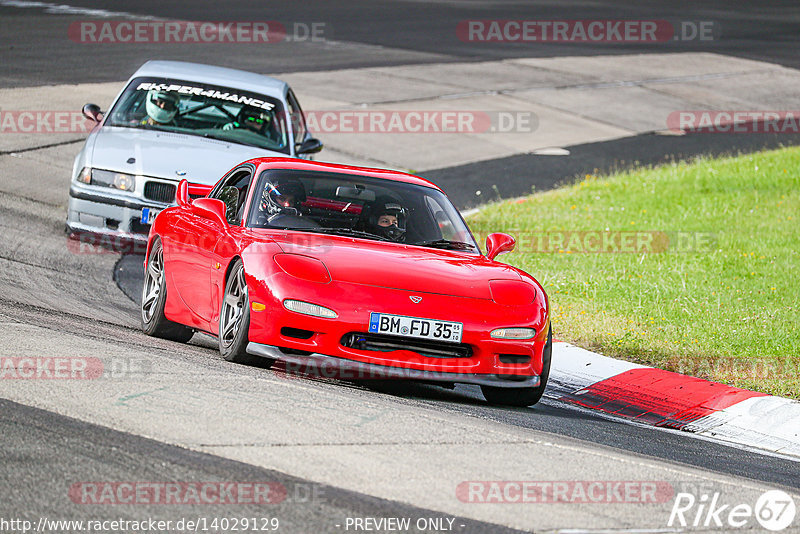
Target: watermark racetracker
[[586, 31], [569, 491], [611, 242], [735, 121], [73, 368], [177, 493], [99, 32], [420, 121], [44, 122]]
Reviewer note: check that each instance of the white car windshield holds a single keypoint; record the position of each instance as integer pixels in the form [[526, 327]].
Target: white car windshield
[[210, 111], [358, 206]]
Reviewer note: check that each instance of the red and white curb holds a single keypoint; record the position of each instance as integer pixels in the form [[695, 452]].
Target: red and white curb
[[664, 399]]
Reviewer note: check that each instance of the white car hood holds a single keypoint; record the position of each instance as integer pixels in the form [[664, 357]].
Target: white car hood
[[169, 155]]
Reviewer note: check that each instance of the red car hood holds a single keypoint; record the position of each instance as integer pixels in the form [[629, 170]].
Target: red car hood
[[406, 267]]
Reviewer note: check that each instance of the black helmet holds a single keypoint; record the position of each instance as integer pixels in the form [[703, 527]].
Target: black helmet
[[283, 195], [387, 218], [254, 119]]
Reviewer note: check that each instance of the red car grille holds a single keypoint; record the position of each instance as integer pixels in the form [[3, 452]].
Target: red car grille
[[382, 343]]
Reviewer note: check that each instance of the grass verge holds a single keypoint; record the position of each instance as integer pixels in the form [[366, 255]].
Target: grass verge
[[690, 267]]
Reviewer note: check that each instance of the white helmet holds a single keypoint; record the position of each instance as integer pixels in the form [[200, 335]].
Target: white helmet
[[161, 105]]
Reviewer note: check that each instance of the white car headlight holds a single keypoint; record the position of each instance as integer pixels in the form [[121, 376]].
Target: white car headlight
[[116, 180], [306, 308], [513, 333]]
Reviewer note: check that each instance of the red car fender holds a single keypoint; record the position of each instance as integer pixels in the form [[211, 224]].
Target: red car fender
[[542, 301], [172, 309]]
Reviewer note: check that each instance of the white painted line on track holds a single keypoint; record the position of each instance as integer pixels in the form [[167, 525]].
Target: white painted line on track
[[64, 9]]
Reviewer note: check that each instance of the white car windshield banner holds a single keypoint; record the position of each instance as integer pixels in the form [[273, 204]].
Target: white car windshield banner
[[209, 93]]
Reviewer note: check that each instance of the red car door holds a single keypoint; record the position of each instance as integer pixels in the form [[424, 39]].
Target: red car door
[[194, 238], [208, 244]]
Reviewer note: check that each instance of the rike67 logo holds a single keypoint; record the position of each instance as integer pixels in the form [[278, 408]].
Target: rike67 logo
[[774, 511]]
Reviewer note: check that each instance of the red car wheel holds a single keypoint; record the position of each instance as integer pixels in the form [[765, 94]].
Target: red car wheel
[[234, 319], [154, 297]]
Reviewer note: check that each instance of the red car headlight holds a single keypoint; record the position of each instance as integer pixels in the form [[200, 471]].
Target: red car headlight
[[303, 267], [512, 292]]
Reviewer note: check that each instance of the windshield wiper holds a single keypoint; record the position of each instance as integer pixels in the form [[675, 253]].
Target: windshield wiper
[[137, 126], [343, 231], [447, 244], [229, 140]]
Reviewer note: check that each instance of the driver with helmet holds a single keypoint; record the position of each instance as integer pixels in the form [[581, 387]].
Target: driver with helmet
[[387, 218], [284, 196], [255, 120], [161, 107]]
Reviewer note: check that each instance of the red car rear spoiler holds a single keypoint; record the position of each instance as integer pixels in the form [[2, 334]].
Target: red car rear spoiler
[[199, 190]]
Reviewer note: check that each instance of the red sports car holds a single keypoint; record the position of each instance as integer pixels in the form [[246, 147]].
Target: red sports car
[[370, 272]]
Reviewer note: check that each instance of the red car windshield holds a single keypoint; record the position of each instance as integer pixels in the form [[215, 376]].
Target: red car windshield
[[358, 206]]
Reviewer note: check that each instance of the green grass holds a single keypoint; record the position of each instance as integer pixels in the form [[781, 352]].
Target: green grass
[[725, 306]]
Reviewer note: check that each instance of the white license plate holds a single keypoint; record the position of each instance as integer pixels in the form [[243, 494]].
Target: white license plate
[[149, 215], [401, 325]]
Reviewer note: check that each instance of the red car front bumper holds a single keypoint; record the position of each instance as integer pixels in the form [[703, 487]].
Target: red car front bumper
[[303, 340]]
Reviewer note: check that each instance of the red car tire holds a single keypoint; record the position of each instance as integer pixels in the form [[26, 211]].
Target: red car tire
[[154, 298], [234, 319]]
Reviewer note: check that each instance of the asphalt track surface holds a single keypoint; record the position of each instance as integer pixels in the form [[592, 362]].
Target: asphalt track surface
[[46, 445], [377, 33], [41, 449]]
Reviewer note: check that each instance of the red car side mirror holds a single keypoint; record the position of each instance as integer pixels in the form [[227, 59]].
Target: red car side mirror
[[211, 208], [182, 194], [497, 244]]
